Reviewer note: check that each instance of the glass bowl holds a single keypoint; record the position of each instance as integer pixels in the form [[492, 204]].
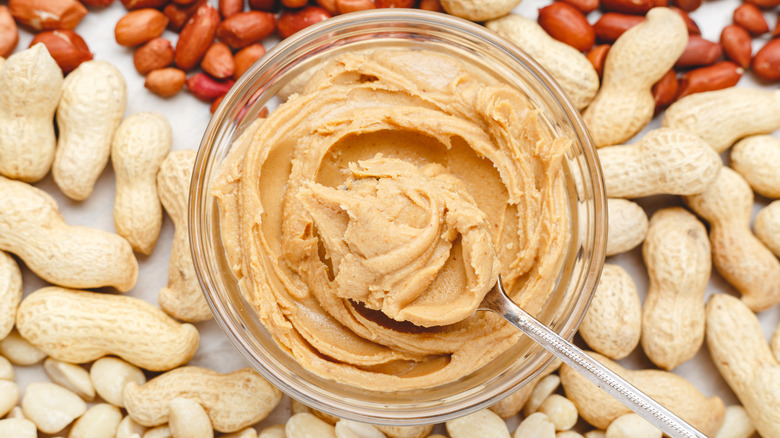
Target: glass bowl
[[261, 86]]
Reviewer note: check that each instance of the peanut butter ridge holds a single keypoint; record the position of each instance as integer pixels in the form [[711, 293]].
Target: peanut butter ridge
[[368, 215]]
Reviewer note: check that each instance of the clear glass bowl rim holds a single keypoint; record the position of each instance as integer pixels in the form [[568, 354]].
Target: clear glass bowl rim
[[235, 329]]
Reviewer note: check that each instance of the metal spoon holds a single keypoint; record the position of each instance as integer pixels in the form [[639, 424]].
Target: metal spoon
[[498, 302]]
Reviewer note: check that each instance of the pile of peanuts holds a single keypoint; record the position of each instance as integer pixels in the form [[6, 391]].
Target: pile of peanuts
[[95, 346], [222, 42], [701, 66]]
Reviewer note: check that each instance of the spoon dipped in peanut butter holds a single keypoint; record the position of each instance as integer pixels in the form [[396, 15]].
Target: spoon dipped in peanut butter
[[391, 232]]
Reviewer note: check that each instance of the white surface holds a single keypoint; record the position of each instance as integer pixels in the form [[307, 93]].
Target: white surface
[[189, 117]]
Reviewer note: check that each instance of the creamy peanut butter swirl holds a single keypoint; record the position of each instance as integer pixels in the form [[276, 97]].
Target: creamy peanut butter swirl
[[368, 215]]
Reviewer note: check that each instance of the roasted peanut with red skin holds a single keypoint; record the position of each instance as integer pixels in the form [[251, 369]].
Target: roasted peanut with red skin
[[394, 3], [713, 77], [66, 47], [246, 57], [47, 14], [346, 6], [165, 82], [638, 7], [293, 21], [585, 6], [431, 5], [179, 15], [567, 24], [140, 26], [157, 53], [764, 4], [206, 88], [98, 3], [597, 56], [140, 4], [665, 90], [751, 18], [246, 28], [687, 5], [699, 52], [263, 5], [228, 8], [776, 31], [736, 45], [196, 37], [766, 63], [9, 33], [218, 61], [611, 25], [215, 104], [330, 6], [693, 28], [294, 4]]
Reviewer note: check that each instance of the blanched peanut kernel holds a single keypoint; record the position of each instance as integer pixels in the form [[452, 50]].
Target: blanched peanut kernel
[[249, 432], [100, 421], [479, 424], [159, 432], [70, 376], [110, 375], [537, 425], [275, 431], [19, 351], [304, 425], [6, 369], [632, 426], [542, 390], [128, 428], [51, 407], [188, 419], [9, 395], [18, 428], [561, 411], [353, 429], [736, 424]]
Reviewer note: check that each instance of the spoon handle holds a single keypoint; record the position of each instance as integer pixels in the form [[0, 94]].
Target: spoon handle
[[497, 301]]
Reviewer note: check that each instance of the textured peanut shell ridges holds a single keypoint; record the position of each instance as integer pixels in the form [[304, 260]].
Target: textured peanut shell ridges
[[570, 68], [672, 391], [182, 298], [743, 358], [478, 10], [724, 116], [232, 401], [140, 144], [30, 87], [613, 324], [32, 227], [677, 256], [638, 59], [664, 162], [737, 253], [92, 105], [78, 327]]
